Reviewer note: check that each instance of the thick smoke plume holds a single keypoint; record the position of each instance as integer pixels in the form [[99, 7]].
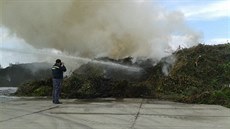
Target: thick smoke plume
[[93, 28]]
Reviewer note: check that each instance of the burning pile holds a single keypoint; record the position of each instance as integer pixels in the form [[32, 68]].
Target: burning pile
[[199, 74]]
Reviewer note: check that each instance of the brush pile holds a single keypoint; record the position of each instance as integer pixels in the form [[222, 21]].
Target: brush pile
[[200, 74]]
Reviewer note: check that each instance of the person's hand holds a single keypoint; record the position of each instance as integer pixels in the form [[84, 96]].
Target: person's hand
[[62, 63]]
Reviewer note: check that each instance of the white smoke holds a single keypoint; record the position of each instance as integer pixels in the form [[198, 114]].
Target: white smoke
[[168, 64], [92, 28]]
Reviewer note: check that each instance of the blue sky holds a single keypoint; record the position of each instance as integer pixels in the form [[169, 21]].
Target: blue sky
[[209, 17]]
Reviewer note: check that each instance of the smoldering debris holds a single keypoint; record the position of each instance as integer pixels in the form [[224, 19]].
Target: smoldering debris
[[207, 83]]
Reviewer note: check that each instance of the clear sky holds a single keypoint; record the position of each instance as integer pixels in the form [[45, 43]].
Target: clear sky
[[209, 17]]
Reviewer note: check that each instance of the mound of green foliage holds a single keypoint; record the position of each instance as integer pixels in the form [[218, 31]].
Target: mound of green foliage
[[35, 88], [200, 74]]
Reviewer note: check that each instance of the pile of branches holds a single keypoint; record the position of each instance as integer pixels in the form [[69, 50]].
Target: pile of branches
[[200, 74]]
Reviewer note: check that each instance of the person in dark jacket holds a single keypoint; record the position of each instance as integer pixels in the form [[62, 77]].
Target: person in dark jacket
[[57, 72]]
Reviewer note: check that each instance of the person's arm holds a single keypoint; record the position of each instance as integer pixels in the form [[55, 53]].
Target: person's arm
[[63, 68]]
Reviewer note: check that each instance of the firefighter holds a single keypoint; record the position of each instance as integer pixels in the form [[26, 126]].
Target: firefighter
[[57, 72]]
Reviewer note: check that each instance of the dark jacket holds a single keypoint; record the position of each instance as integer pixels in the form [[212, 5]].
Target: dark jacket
[[57, 71]]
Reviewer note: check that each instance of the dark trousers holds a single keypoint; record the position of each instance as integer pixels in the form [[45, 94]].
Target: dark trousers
[[56, 90]]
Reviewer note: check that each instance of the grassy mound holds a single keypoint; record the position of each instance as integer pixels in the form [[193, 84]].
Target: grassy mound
[[199, 74]]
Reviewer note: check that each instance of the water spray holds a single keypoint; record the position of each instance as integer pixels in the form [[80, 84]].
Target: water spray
[[115, 65], [85, 60]]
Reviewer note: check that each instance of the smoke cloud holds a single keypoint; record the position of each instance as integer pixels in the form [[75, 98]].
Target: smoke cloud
[[94, 28]]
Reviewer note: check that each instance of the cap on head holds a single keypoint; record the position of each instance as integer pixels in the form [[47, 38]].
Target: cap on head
[[58, 61]]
